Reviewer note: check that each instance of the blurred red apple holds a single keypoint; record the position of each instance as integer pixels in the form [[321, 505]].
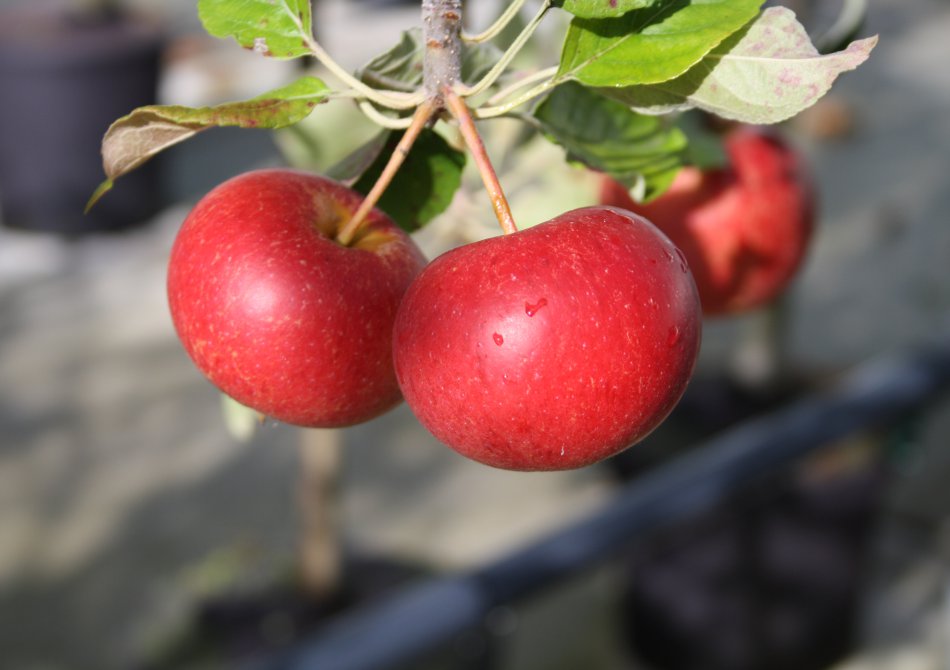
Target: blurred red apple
[[280, 316], [550, 348], [744, 228]]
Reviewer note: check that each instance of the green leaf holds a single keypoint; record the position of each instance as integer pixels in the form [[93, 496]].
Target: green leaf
[[425, 183], [135, 138], [353, 166], [477, 60], [640, 151], [767, 73], [598, 9], [400, 68], [705, 148], [276, 28], [650, 45]]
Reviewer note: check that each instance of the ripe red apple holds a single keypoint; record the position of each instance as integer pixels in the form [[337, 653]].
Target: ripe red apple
[[550, 348], [744, 228], [278, 314]]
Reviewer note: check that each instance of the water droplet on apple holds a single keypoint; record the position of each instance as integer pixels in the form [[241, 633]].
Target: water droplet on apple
[[684, 266], [652, 303], [531, 310], [674, 336], [669, 256], [499, 340]]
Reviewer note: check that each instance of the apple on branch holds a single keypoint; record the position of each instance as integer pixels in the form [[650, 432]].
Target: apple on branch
[[278, 313], [553, 347], [744, 228]]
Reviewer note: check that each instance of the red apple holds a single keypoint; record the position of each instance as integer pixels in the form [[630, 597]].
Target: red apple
[[744, 228], [280, 316], [550, 348]]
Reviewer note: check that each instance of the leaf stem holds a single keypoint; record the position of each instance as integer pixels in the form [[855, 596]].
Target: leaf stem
[[456, 105], [502, 109], [380, 119], [390, 99], [420, 118], [527, 80], [500, 23], [492, 75]]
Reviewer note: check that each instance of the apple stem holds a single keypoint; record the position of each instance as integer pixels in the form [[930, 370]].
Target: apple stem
[[473, 140], [442, 21], [420, 119]]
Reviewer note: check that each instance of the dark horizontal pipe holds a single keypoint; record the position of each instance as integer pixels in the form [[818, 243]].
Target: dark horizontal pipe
[[421, 618]]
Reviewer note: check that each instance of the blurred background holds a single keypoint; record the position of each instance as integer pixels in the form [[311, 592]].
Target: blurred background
[[138, 530]]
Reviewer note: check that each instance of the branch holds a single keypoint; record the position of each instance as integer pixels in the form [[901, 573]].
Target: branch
[[441, 34]]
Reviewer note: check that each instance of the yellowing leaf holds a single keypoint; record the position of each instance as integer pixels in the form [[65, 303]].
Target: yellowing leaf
[[136, 137]]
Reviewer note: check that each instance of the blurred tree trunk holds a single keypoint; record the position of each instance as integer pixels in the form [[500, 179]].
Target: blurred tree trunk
[[318, 496], [761, 359]]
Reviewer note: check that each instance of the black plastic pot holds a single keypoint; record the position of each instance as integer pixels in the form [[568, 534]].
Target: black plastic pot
[[63, 80]]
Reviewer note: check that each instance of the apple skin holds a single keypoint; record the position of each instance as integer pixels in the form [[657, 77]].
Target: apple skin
[[550, 348], [744, 228], [280, 316]]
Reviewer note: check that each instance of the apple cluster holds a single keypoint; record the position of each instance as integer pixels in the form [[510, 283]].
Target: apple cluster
[[549, 348]]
